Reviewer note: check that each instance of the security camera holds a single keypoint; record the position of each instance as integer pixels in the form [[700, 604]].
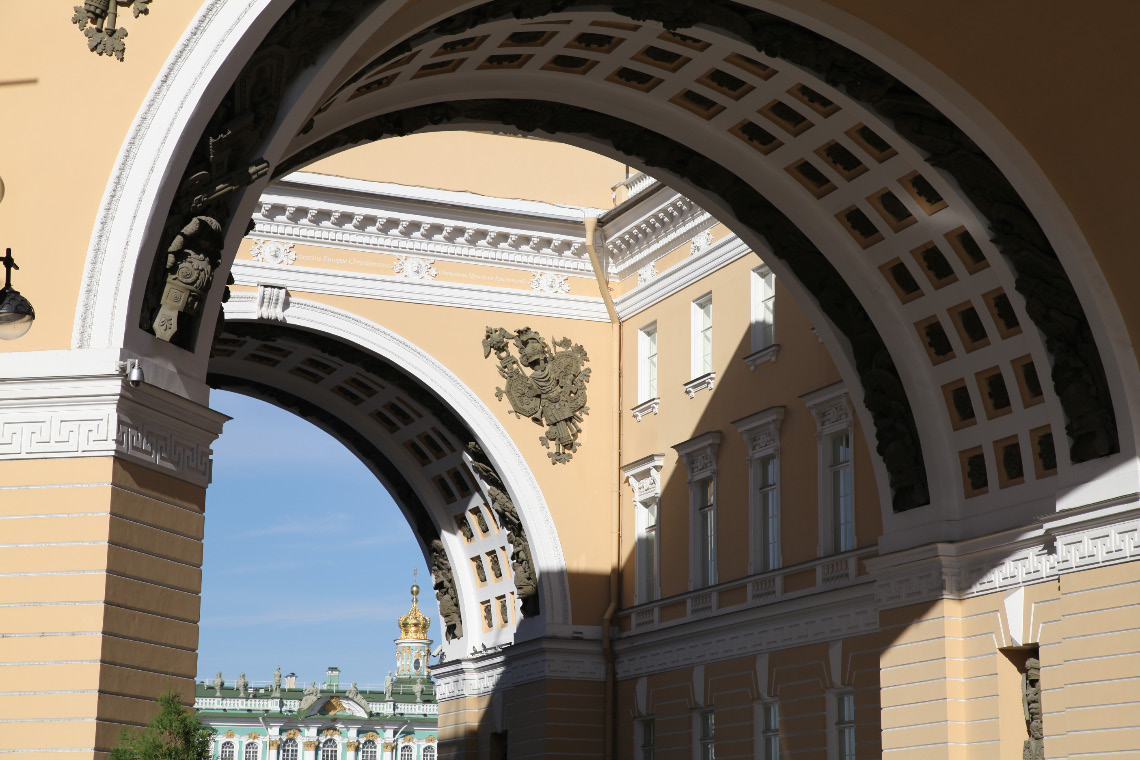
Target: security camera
[[135, 373]]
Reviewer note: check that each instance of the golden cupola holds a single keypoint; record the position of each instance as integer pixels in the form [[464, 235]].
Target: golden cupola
[[415, 624]]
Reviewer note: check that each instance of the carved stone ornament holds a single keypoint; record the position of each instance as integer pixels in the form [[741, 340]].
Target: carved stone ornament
[[273, 252], [97, 19], [552, 394], [646, 273], [292, 733], [311, 745], [548, 282], [243, 687], [701, 242], [1034, 746], [372, 736], [443, 581], [389, 746], [352, 746], [230, 734], [190, 263], [415, 268], [253, 736], [218, 683], [274, 744]]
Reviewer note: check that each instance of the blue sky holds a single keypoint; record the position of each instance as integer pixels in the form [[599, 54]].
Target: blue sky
[[308, 560]]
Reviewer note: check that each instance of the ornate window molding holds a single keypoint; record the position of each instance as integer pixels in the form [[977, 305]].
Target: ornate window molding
[[644, 478], [700, 384], [757, 358], [831, 408], [645, 408], [761, 433], [700, 457]]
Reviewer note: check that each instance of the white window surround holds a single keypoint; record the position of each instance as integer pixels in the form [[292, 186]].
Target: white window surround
[[831, 408], [645, 408], [647, 363], [761, 433], [768, 354], [763, 308], [644, 738], [700, 383], [699, 455], [702, 336], [704, 734], [767, 722], [252, 751], [644, 478]]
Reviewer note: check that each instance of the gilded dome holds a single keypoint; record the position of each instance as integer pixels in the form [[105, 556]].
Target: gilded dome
[[415, 624]]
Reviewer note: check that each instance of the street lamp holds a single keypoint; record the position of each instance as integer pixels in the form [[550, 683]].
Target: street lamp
[[16, 314]]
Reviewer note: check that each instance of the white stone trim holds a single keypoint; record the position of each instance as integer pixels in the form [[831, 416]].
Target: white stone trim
[[701, 383], [537, 660], [768, 354], [271, 302], [504, 454], [429, 292], [645, 408], [699, 454], [657, 224], [830, 407], [674, 280], [644, 477], [761, 431], [100, 416]]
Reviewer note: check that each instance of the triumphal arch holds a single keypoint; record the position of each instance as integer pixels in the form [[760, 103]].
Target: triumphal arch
[[756, 376]]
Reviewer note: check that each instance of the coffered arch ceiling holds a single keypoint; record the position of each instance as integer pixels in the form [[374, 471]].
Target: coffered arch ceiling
[[950, 308]]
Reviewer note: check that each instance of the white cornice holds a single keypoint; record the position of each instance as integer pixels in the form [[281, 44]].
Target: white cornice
[[537, 660], [649, 230], [430, 292], [723, 252]]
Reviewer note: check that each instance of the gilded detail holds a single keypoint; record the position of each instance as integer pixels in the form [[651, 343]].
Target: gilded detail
[[554, 391]]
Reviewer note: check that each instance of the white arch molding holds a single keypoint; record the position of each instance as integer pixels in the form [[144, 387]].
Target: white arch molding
[[546, 549]]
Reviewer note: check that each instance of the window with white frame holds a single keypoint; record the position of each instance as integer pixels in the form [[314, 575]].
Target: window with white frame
[[707, 728], [699, 455], [835, 434], [407, 752], [842, 499], [763, 308], [761, 433], [368, 750], [428, 752], [644, 477], [647, 363], [702, 336], [289, 749], [845, 725], [227, 751], [329, 749], [646, 739], [770, 730], [251, 751], [704, 502]]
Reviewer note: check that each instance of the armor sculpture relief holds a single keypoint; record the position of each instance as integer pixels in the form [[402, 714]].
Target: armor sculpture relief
[[1034, 747], [553, 393], [97, 19]]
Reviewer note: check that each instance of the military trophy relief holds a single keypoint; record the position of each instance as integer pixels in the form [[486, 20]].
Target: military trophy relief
[[547, 385]]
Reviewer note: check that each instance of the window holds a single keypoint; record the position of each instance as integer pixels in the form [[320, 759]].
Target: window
[[763, 308], [407, 752], [845, 725], [842, 499], [835, 433], [700, 455], [428, 753], [644, 477], [766, 517], [708, 735], [645, 739], [368, 750], [252, 751], [704, 492], [328, 749], [227, 751], [289, 749], [647, 363], [770, 730], [647, 551], [702, 336]]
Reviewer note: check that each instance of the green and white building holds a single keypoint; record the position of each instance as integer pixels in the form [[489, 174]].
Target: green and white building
[[282, 720]]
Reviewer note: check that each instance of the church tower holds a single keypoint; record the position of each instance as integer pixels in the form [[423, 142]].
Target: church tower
[[413, 645]]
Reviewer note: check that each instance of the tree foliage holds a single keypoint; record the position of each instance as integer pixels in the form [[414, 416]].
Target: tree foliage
[[174, 733]]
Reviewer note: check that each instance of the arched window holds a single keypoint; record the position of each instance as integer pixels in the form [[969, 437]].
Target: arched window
[[428, 753], [289, 749], [407, 752], [227, 751], [252, 751], [368, 750], [328, 749]]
